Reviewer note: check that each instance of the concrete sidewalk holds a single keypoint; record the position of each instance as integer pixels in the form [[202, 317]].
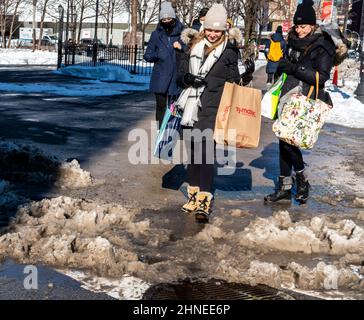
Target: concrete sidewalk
[[95, 131]]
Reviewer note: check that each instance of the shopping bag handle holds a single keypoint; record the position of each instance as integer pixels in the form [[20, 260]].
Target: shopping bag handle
[[313, 87], [250, 85]]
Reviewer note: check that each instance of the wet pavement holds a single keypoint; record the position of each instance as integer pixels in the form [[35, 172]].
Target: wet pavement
[[95, 131], [50, 284]]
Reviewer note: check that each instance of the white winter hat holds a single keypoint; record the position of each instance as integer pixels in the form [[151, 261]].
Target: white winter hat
[[216, 18], [167, 11]]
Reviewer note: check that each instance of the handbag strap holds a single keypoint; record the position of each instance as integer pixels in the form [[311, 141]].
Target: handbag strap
[[313, 87]]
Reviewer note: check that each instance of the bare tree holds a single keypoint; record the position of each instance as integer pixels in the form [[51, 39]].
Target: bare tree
[[108, 8], [134, 21], [13, 28], [44, 11], [8, 15], [9, 10], [270, 9], [34, 23]]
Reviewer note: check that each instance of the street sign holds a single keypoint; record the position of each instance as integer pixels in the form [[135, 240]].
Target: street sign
[[286, 26], [326, 11]]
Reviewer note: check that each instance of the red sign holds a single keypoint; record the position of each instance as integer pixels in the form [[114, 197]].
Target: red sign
[[326, 10], [286, 26]]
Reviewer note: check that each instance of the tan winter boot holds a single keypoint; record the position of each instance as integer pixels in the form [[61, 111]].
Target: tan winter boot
[[204, 201], [191, 204]]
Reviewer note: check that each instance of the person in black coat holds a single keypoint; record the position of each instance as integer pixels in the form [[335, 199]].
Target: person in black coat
[[210, 61], [309, 51], [161, 50], [197, 24]]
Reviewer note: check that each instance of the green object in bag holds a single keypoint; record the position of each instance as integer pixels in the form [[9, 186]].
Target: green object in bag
[[270, 100]]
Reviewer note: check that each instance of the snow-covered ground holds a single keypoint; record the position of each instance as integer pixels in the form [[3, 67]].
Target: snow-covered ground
[[347, 110], [27, 57], [261, 62], [104, 73], [122, 82]]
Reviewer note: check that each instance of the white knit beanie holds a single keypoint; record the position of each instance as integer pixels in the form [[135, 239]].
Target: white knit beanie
[[167, 11], [216, 18]]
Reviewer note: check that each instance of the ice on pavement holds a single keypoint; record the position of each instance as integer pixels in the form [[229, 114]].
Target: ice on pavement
[[93, 88]]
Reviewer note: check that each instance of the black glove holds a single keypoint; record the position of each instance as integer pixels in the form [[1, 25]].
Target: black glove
[[249, 65], [194, 81], [247, 76], [286, 67]]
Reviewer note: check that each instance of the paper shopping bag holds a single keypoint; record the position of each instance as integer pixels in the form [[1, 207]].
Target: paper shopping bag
[[223, 113], [238, 124]]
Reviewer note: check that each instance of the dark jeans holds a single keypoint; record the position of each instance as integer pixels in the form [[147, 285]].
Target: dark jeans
[[272, 77], [200, 169], [161, 104], [289, 157]]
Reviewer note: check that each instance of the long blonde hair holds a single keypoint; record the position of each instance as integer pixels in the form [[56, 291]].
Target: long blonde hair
[[202, 36]]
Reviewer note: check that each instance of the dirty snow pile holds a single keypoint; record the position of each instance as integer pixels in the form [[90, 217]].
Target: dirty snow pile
[[28, 163], [27, 57], [107, 72], [114, 241], [347, 110], [70, 232], [318, 235]]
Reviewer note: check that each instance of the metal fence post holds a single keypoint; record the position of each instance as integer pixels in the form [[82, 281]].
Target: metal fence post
[[135, 58], [60, 36]]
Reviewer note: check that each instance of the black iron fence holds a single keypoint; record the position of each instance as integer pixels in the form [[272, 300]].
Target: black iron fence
[[127, 57]]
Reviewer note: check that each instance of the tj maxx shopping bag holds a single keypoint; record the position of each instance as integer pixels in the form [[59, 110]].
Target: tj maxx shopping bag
[[238, 119]]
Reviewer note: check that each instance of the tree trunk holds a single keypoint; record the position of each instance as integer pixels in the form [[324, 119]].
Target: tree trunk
[[108, 22], [3, 23], [33, 24], [13, 22], [134, 22], [258, 40], [133, 34], [44, 11], [82, 10]]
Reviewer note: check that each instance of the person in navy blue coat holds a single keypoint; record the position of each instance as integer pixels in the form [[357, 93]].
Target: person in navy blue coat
[[272, 66], [161, 50]]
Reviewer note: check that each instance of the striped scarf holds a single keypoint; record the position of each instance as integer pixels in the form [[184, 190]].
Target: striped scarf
[[189, 100]]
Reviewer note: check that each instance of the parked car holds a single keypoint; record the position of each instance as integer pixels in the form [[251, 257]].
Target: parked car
[[25, 43], [88, 42], [49, 40]]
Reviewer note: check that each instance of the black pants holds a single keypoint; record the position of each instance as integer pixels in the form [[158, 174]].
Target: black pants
[[200, 169], [272, 77], [289, 157], [161, 104]]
